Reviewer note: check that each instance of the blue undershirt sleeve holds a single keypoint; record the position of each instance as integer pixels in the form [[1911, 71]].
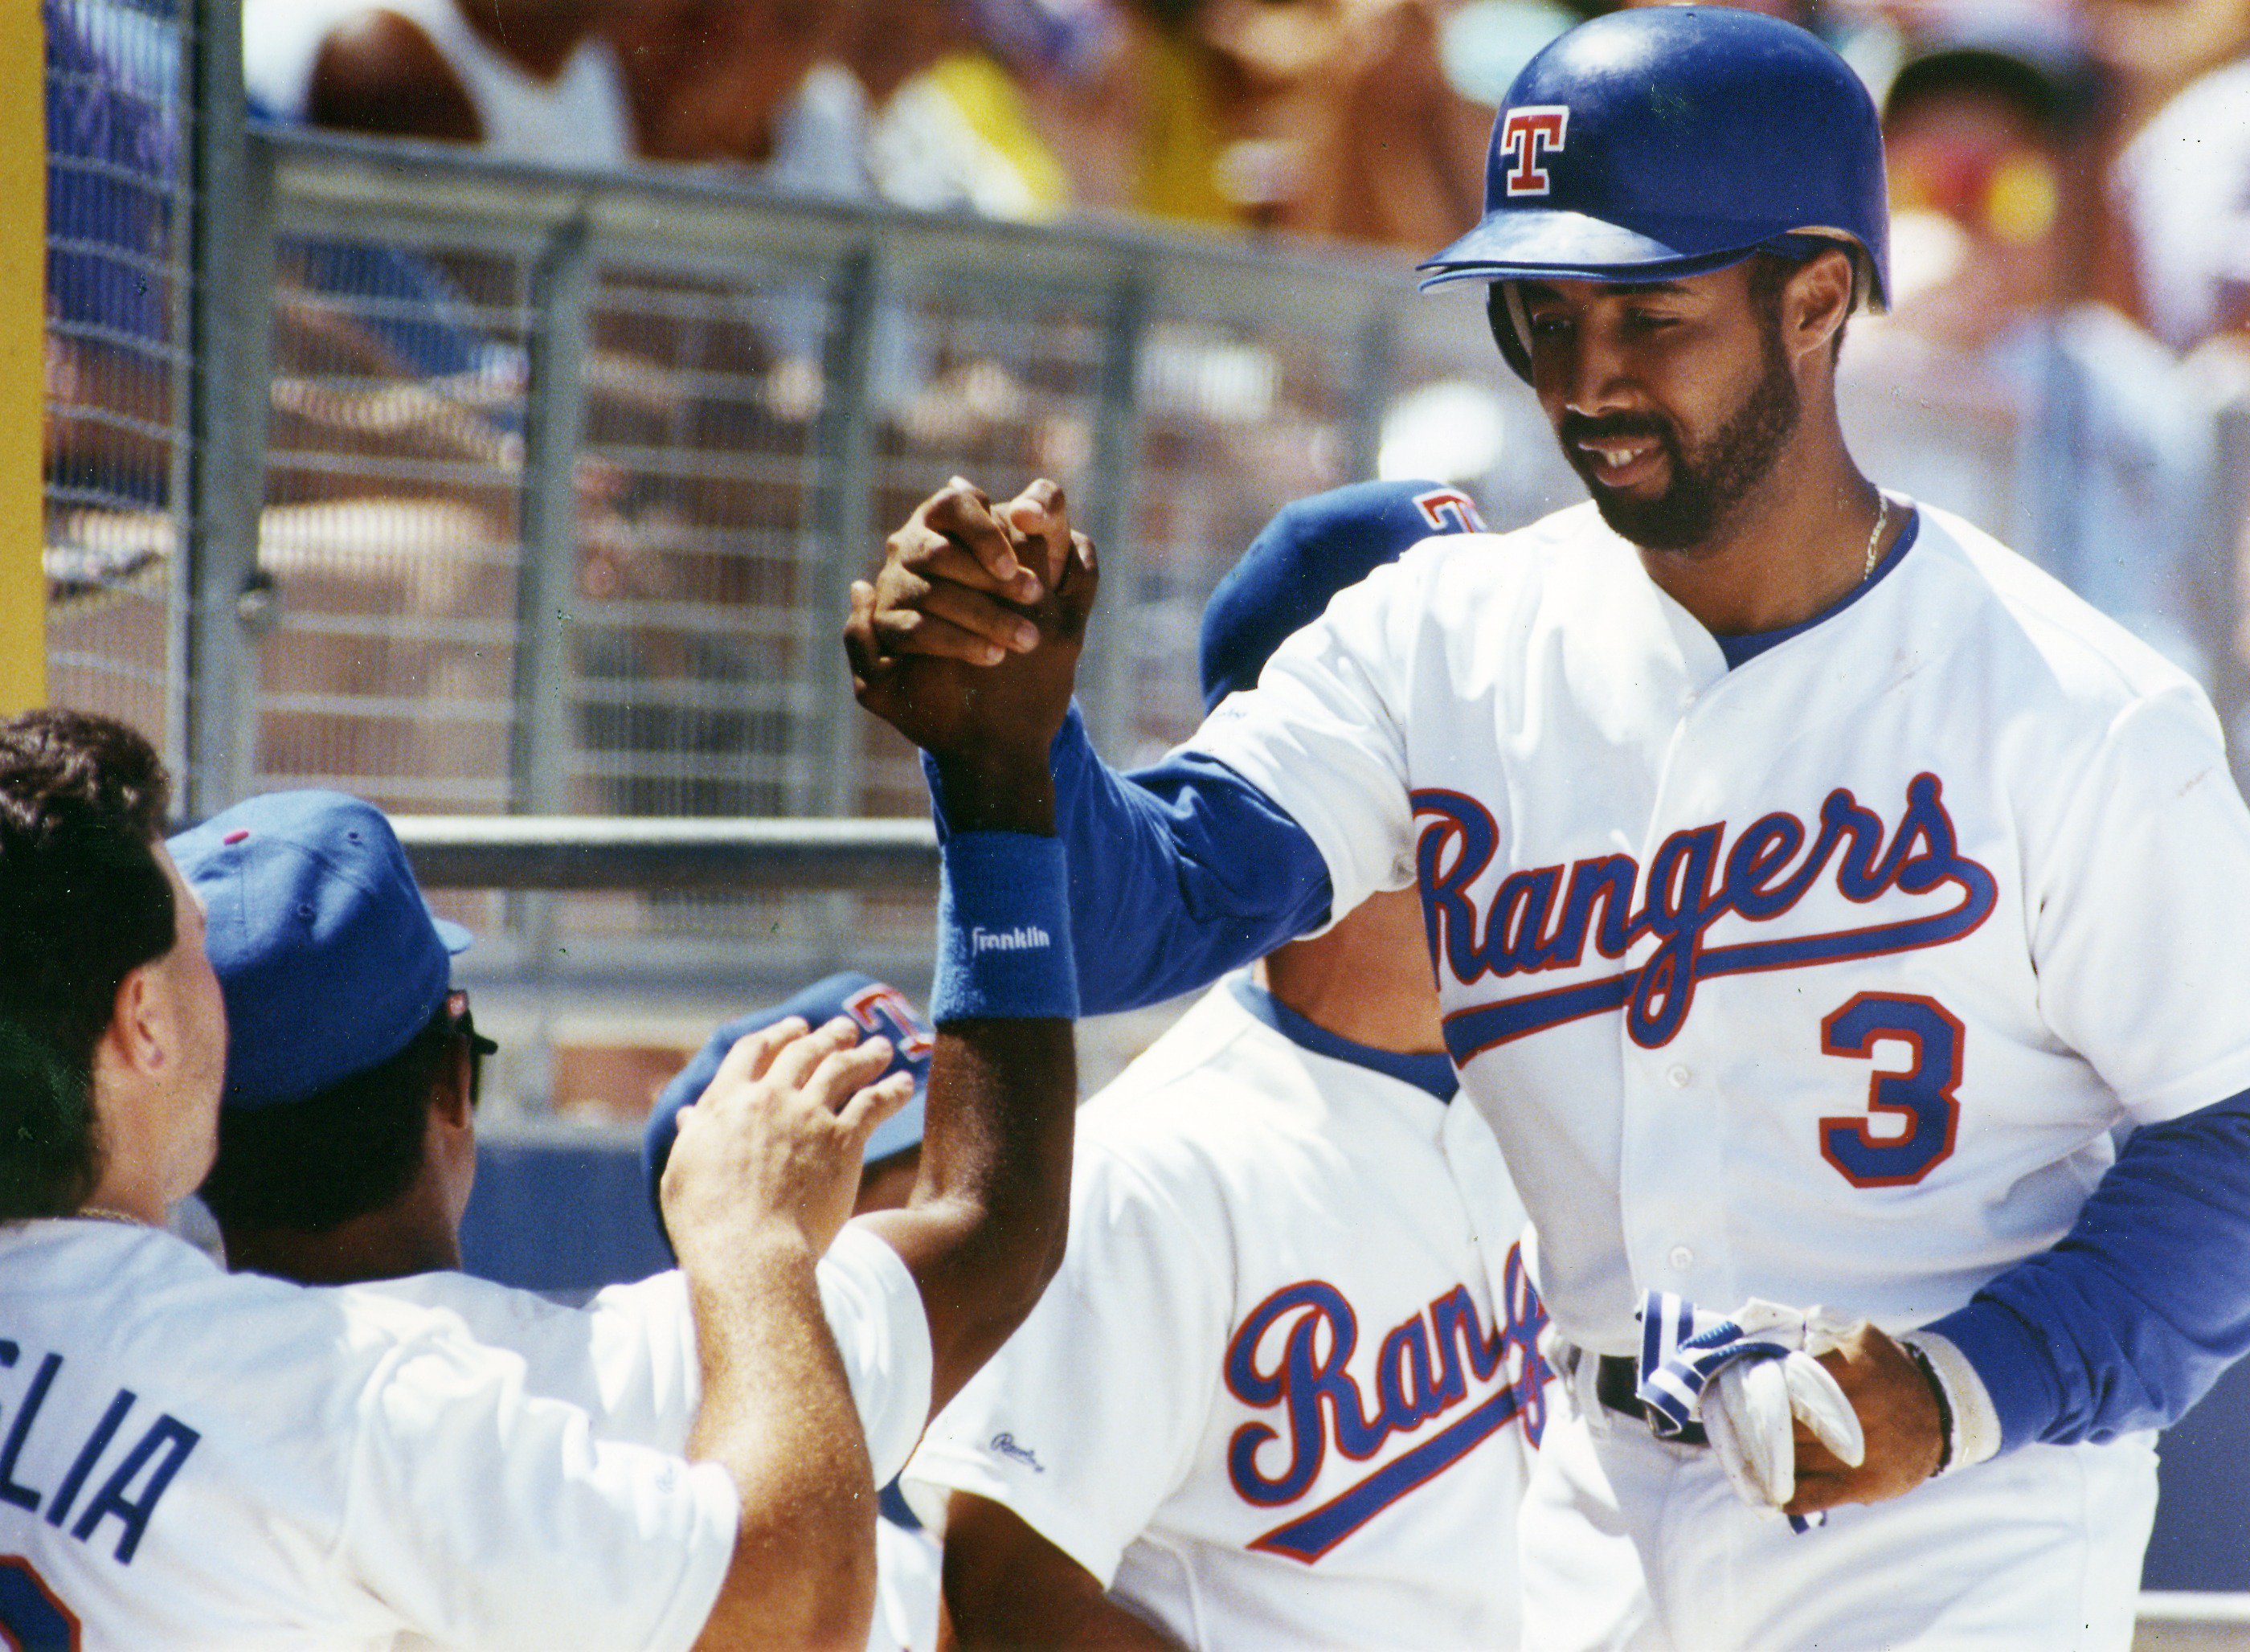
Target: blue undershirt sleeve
[[1178, 872], [2129, 1320]]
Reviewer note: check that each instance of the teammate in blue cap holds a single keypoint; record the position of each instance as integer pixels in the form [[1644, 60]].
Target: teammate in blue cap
[[1838, 921], [438, 1458], [346, 1134]]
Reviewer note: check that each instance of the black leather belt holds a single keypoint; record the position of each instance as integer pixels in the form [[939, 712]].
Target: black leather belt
[[1615, 1384]]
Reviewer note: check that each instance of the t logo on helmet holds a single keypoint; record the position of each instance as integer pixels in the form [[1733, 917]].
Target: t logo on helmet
[[1528, 135]]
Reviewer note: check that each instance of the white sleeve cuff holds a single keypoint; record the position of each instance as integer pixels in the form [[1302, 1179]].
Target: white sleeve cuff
[[875, 1310], [1976, 1420]]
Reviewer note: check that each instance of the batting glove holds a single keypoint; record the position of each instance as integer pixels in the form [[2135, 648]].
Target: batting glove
[[1747, 1377]]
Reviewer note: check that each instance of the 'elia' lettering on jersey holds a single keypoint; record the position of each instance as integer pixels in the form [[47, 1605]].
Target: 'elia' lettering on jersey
[[133, 1487], [1022, 938], [1322, 1403], [1541, 919]]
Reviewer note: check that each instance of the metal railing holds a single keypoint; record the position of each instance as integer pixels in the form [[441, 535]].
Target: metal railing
[[2182, 1620], [677, 530], [552, 852]]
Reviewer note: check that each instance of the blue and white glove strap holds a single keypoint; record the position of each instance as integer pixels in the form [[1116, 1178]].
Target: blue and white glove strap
[[1004, 947], [1683, 1349]]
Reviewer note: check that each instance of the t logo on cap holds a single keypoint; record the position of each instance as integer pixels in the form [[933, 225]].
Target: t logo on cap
[[883, 1011], [1449, 511], [1527, 136]]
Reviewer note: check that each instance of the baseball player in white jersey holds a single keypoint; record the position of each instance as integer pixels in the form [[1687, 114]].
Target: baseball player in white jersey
[[347, 1146], [1285, 1389], [193, 1459], [1819, 894]]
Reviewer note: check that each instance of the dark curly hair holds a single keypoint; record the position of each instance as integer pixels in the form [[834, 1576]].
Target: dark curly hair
[[83, 903]]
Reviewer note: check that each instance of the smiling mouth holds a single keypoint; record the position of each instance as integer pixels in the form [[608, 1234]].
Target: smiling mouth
[[1620, 461]]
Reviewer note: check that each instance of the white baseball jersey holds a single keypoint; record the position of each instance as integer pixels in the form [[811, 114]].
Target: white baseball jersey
[[1284, 1390], [1825, 979], [193, 1459]]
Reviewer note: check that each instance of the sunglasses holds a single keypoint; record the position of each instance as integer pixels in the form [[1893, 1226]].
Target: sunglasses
[[464, 1025]]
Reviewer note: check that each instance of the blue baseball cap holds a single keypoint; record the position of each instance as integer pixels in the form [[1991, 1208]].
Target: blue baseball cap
[[1311, 550], [875, 1007], [328, 957]]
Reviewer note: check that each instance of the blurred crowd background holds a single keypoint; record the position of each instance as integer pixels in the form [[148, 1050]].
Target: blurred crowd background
[[2044, 152], [2068, 364]]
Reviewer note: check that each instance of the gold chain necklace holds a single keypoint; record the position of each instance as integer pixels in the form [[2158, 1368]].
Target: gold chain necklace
[[1875, 533], [99, 1213]]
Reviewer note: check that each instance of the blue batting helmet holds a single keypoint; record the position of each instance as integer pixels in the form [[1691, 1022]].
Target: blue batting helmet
[[1674, 140]]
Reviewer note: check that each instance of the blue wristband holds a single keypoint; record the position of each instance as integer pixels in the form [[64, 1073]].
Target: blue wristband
[[1004, 930]]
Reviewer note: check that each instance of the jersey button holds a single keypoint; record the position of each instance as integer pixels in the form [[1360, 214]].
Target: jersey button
[[1681, 1259], [1680, 1077]]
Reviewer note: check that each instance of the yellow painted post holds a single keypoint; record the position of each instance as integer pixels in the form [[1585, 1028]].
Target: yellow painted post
[[23, 353]]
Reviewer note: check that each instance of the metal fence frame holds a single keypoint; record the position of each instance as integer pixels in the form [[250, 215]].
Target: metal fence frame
[[255, 186], [278, 184]]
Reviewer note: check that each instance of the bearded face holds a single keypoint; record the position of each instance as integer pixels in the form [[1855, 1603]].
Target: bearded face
[[1705, 480], [1672, 400]]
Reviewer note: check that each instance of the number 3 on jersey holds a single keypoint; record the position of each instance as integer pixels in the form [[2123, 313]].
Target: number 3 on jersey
[[32, 1620], [1923, 1095]]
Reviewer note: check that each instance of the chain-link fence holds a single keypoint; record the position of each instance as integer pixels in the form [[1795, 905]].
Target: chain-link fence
[[563, 479], [120, 123], [389, 535]]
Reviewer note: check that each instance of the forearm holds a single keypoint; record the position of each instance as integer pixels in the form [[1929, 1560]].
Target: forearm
[[1007, 1587], [776, 1412], [2129, 1320], [983, 1232], [1178, 872]]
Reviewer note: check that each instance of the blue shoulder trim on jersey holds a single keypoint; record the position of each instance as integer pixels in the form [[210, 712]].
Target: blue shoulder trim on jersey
[[891, 1504], [1433, 1073], [2128, 1320], [1741, 650], [1178, 872]]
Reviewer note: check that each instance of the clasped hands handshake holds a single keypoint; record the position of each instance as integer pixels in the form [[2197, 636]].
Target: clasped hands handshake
[[967, 639]]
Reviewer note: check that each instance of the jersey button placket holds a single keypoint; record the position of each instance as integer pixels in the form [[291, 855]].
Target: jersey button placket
[[1674, 1145]]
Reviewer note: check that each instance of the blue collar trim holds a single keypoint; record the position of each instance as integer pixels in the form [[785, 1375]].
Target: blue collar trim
[[1431, 1073], [1741, 650]]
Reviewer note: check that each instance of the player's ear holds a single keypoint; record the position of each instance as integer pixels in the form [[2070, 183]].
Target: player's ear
[[139, 1036], [1816, 301], [451, 1101]]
